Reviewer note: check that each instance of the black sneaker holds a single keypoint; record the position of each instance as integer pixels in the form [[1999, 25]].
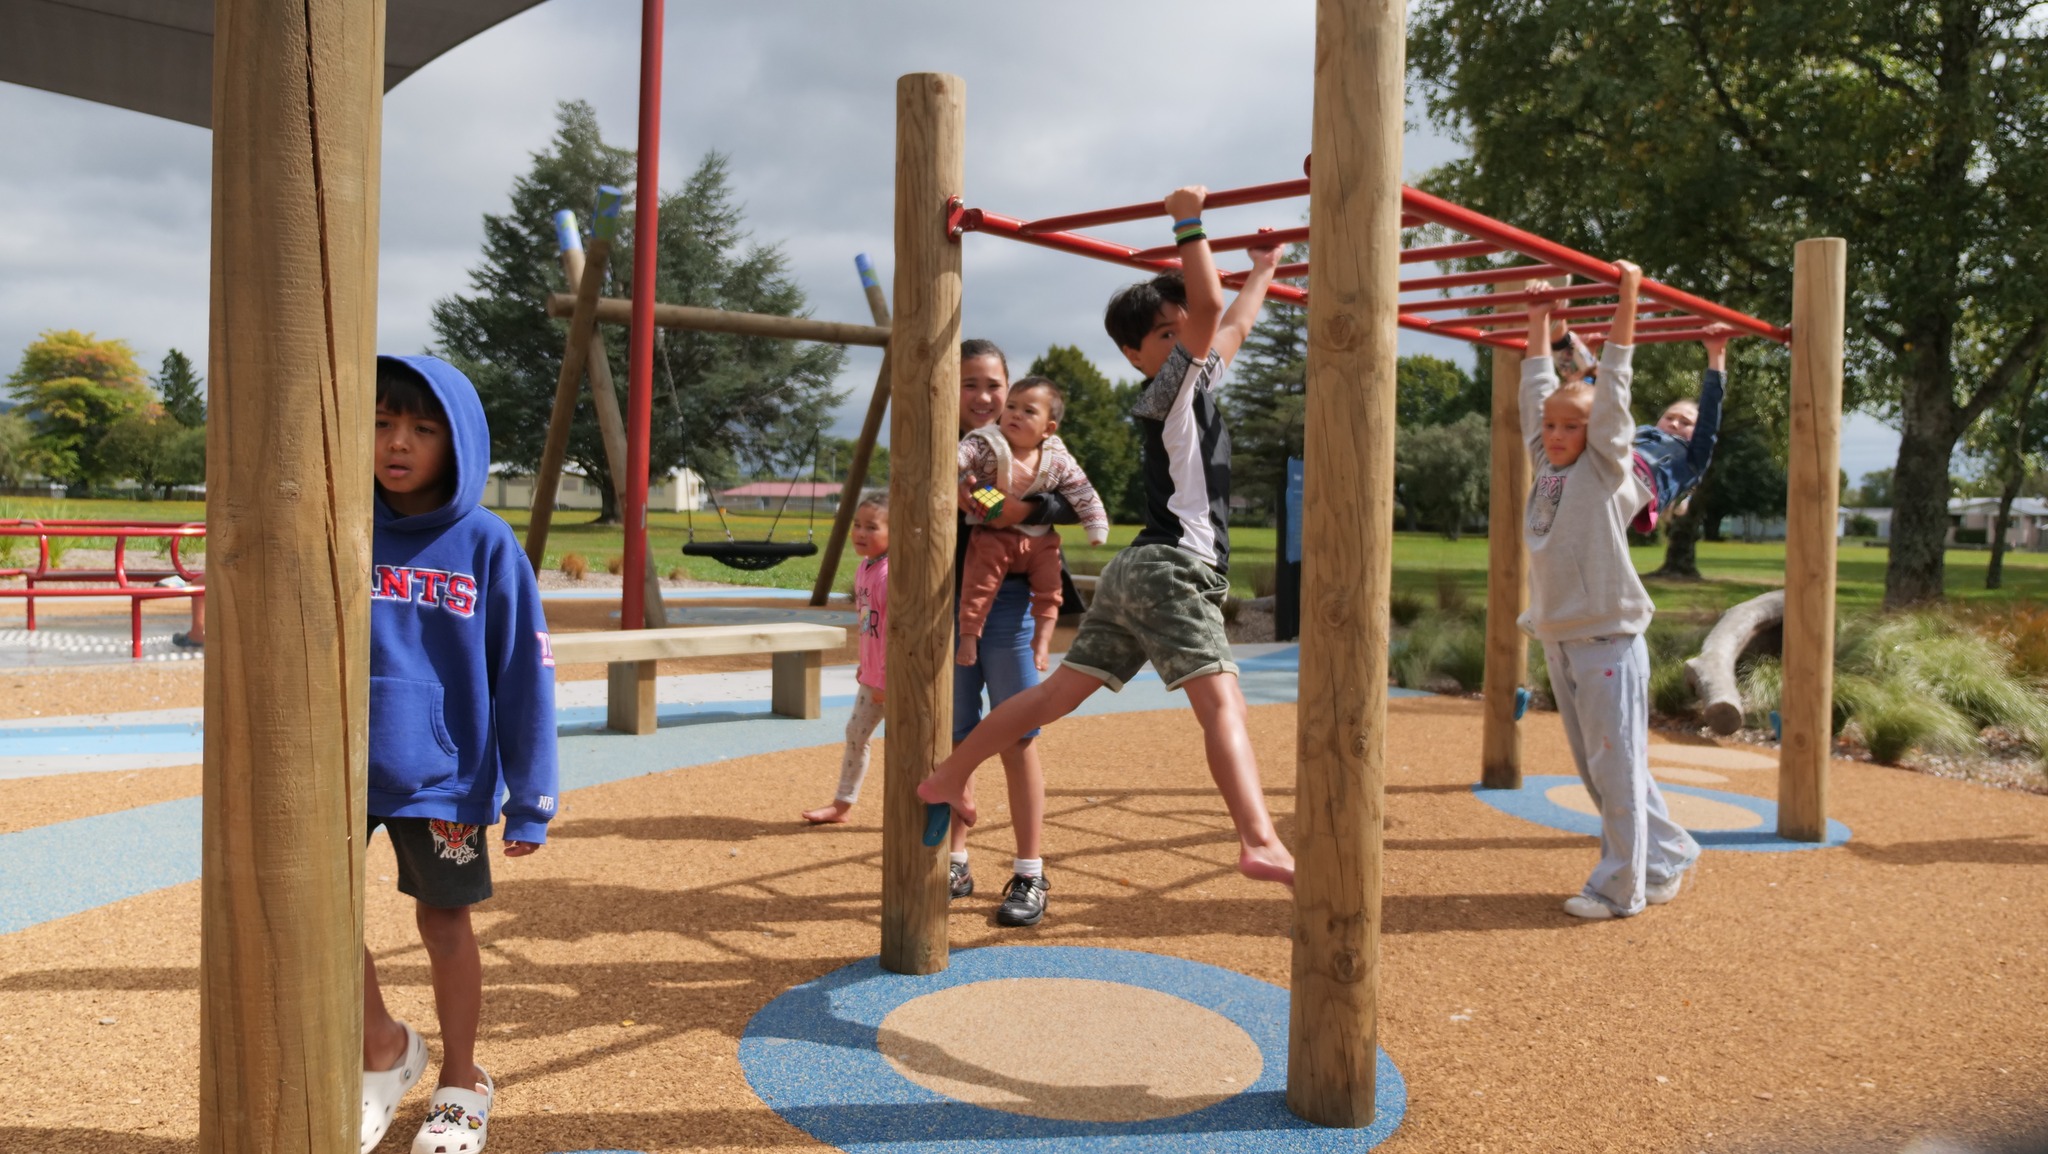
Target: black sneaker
[[1025, 903], [959, 883]]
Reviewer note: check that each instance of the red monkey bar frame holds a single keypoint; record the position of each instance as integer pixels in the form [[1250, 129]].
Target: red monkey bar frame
[[1668, 315]]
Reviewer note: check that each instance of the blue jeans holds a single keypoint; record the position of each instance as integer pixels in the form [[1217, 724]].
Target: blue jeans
[[1005, 665]]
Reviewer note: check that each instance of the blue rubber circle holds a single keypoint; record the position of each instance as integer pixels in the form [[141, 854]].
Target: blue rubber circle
[[812, 1056], [1531, 803]]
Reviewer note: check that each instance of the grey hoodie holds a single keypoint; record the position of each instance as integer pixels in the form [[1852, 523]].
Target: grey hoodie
[[1581, 580]]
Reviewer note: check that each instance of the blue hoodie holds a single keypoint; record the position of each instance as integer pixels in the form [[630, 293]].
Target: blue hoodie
[[462, 687]]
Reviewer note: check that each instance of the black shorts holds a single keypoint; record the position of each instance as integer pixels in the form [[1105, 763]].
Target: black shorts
[[443, 864]]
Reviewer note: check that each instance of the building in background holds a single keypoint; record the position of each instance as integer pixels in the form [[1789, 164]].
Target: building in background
[[678, 492]]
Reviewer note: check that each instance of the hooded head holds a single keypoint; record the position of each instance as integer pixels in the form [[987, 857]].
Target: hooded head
[[468, 438]]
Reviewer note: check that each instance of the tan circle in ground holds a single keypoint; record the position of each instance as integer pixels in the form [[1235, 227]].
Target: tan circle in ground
[[1698, 813], [1688, 776], [1070, 1048], [1711, 757]]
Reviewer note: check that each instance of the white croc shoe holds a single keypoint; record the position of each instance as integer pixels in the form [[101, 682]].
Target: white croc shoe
[[384, 1089], [458, 1120], [1662, 894]]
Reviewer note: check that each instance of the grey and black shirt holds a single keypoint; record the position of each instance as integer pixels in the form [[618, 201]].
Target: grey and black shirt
[[1186, 456]]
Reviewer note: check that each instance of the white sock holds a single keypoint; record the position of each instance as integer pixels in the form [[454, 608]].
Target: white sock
[[957, 858], [1030, 867]]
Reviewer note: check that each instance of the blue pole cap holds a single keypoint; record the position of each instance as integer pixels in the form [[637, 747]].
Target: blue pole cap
[[605, 226], [1521, 702], [868, 279], [566, 238]]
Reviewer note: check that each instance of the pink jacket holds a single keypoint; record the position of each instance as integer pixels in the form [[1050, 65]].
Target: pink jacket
[[985, 455], [871, 611]]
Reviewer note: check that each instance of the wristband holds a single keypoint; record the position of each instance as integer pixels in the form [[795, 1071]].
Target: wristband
[[1187, 237], [1191, 222]]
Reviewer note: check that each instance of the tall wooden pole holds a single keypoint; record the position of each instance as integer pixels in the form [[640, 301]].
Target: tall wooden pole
[[604, 398], [1819, 297], [931, 135], [1347, 558], [1507, 576], [589, 285], [640, 338], [297, 107], [863, 448]]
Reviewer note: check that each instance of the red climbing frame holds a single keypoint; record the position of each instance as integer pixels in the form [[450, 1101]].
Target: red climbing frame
[[1666, 314]]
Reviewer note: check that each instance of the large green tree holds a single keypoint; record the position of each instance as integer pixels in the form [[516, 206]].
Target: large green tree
[[1098, 428], [152, 447], [182, 392], [2012, 443], [1445, 471], [723, 405], [73, 387], [1703, 139]]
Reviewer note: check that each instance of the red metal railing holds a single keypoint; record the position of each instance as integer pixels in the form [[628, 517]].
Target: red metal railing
[[1668, 314], [118, 581]]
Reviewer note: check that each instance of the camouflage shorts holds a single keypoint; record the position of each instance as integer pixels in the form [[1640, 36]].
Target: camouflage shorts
[[1154, 603]]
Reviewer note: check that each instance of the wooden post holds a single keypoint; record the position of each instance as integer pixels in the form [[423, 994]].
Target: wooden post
[[582, 326], [297, 106], [863, 449], [617, 311], [1819, 295], [1507, 576], [931, 131], [1347, 558], [604, 399]]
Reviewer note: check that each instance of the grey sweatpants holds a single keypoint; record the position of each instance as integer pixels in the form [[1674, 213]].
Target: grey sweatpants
[[853, 764], [1602, 687]]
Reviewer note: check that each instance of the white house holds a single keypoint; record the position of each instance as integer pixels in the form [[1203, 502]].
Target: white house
[[1881, 517], [2028, 530], [681, 490]]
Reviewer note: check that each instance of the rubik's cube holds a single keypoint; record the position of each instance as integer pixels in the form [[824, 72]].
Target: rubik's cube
[[990, 499]]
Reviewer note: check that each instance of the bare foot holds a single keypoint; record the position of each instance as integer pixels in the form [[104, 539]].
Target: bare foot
[[1266, 863], [937, 790], [828, 814], [970, 651]]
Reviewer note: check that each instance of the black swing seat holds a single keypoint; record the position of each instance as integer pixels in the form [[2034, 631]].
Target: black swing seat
[[751, 556]]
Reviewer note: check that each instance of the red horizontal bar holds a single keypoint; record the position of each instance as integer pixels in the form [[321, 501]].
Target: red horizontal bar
[[1226, 198], [978, 220], [1442, 252], [1650, 324], [1495, 300], [134, 592], [1578, 312], [1282, 236], [1443, 212], [1483, 276]]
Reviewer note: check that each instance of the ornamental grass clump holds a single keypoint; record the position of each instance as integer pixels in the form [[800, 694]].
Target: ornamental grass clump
[[1439, 651], [1917, 681]]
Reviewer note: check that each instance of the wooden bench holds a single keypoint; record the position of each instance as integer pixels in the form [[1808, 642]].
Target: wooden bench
[[797, 650]]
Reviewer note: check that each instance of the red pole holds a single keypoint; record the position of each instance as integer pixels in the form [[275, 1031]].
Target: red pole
[[640, 362]]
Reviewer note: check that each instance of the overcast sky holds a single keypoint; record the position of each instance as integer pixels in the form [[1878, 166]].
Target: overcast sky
[[104, 213]]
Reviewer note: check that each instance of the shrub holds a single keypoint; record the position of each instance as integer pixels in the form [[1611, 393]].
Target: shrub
[[2020, 630], [1404, 608], [678, 574], [615, 565], [1763, 686], [1670, 693], [1860, 525], [1972, 536], [1439, 649], [574, 566], [1450, 593], [1925, 657], [1539, 677]]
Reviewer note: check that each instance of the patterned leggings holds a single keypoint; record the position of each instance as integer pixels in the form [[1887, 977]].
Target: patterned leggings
[[853, 765]]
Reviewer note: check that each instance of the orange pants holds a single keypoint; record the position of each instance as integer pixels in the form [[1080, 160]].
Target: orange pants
[[993, 554]]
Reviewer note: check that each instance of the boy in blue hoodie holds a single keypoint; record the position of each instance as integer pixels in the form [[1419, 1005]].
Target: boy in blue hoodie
[[462, 713]]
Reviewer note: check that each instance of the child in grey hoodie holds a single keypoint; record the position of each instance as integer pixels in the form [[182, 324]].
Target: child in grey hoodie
[[1589, 610]]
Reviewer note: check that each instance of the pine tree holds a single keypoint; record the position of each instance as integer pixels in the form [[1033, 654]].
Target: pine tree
[[180, 390], [1097, 428], [723, 405], [1266, 401]]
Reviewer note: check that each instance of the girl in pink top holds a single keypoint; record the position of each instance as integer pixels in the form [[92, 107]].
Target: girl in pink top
[[871, 610]]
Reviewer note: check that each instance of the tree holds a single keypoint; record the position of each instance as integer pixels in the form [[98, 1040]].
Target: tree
[[1876, 491], [1747, 480], [2013, 441], [1433, 391], [1097, 429], [150, 446], [1266, 401], [181, 391], [19, 456], [73, 388], [835, 457], [1444, 471], [723, 404], [1703, 139]]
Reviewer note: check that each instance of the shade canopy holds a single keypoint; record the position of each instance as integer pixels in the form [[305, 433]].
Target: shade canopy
[[156, 56]]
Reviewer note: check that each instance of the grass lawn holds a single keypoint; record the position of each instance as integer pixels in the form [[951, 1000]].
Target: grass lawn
[[1731, 570]]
